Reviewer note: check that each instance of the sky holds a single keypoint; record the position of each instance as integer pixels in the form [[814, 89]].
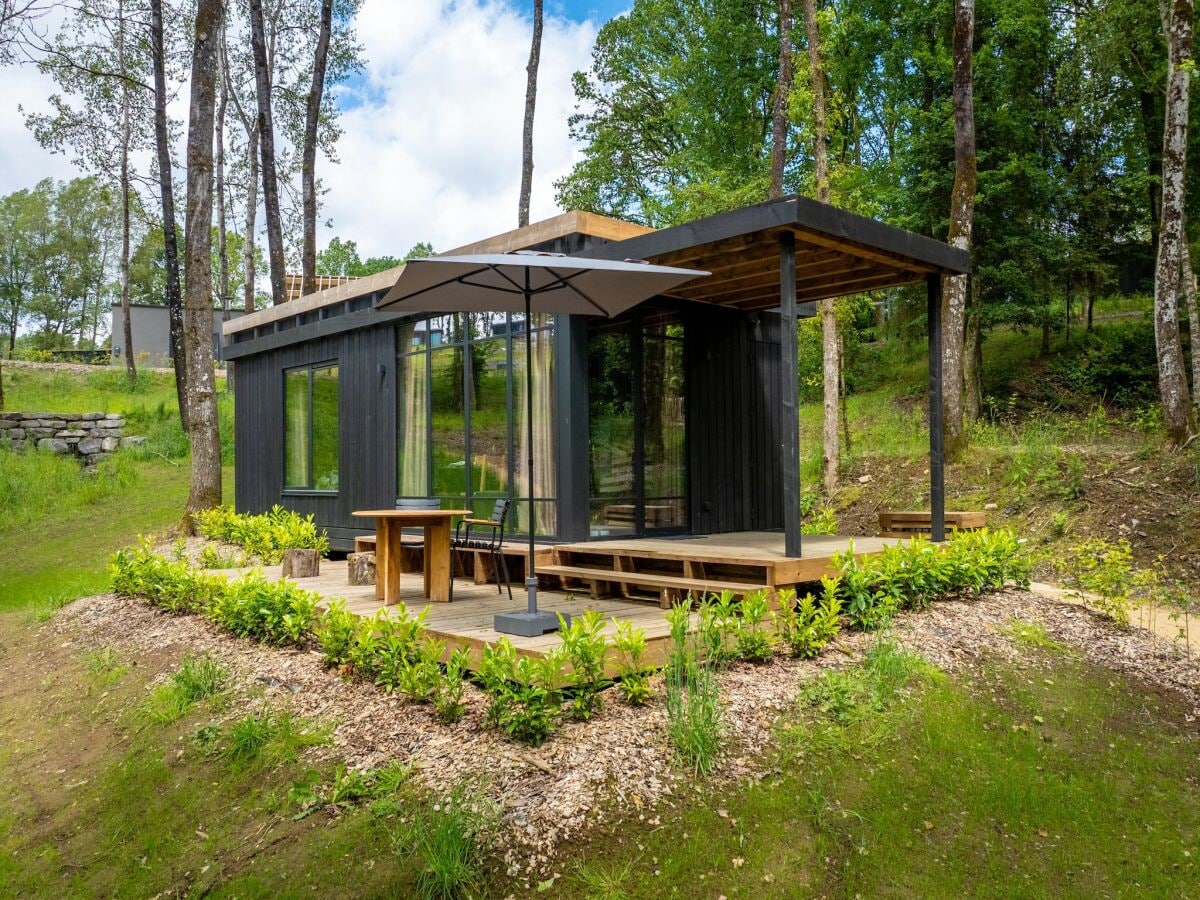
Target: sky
[[431, 144]]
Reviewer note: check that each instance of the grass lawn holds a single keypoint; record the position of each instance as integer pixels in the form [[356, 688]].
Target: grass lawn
[[63, 553], [1047, 778]]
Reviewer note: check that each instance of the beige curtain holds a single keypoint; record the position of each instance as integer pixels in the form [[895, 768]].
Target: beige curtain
[[413, 414], [544, 463]]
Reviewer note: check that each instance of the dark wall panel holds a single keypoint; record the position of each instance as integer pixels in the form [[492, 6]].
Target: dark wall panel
[[733, 415], [367, 429]]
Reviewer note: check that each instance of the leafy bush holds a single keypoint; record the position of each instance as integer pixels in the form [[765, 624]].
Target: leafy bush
[[1117, 363], [448, 699], [630, 643], [806, 627], [212, 558], [915, 573], [335, 632], [755, 641], [718, 628], [170, 585], [267, 535], [1103, 574], [273, 612], [586, 650], [525, 695]]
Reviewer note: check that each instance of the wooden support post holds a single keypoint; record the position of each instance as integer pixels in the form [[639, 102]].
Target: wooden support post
[[937, 480], [789, 420]]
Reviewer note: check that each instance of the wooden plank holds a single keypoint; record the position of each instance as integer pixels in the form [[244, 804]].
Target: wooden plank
[[647, 579]]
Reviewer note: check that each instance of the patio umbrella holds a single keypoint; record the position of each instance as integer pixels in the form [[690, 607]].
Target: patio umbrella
[[529, 282]]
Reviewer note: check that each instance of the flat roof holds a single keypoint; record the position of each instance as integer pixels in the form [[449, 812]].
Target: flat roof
[[562, 225], [837, 253]]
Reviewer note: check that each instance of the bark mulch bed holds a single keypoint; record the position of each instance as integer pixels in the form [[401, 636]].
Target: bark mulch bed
[[619, 763]]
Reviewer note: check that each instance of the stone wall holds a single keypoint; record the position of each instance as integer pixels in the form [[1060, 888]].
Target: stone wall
[[89, 436]]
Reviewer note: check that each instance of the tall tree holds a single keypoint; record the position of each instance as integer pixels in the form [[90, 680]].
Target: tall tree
[[126, 113], [266, 143], [219, 139], [205, 491], [531, 77], [1188, 296], [249, 122], [166, 190], [962, 217], [831, 367], [780, 101], [312, 121], [1178, 16]]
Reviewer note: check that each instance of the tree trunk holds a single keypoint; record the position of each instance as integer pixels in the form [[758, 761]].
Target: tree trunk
[[126, 324], [205, 489], [312, 118], [162, 140], [1193, 314], [531, 73], [962, 216], [828, 311], [248, 245], [1172, 378], [973, 361], [266, 142], [779, 106], [222, 228]]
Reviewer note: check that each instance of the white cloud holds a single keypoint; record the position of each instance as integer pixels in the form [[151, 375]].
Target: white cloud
[[431, 144], [432, 151]]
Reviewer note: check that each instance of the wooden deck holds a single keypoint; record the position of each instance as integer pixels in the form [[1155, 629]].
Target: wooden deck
[[467, 621]]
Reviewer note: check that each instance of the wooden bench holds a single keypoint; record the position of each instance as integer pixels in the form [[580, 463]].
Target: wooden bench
[[909, 524], [672, 588]]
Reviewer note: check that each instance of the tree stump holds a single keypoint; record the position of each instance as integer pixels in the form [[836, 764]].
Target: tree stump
[[301, 563], [362, 567]]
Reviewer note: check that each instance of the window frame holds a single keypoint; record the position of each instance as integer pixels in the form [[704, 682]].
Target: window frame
[[304, 491]]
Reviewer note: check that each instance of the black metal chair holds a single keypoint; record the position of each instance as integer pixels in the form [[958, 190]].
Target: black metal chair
[[492, 544]]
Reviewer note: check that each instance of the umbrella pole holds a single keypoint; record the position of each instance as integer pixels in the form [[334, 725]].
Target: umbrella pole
[[530, 623], [531, 582]]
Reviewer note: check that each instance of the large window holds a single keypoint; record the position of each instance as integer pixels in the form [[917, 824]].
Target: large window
[[310, 417], [461, 418]]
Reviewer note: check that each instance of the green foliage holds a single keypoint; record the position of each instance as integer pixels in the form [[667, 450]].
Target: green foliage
[[270, 738], [448, 838], [718, 628], [1032, 634], [276, 612], [754, 641], [212, 558], [1103, 575], [198, 677], [1116, 363], [915, 573], [266, 536], [336, 631], [524, 691], [806, 627], [170, 585], [693, 702], [586, 651], [630, 644]]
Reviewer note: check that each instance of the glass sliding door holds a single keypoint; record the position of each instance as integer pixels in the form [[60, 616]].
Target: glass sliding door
[[637, 405], [664, 459]]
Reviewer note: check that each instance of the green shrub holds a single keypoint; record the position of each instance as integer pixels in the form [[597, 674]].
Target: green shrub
[[630, 643], [806, 627], [212, 558], [717, 616], [335, 632], [277, 612], [586, 650], [448, 699], [170, 585], [267, 535], [754, 641], [198, 677], [525, 692]]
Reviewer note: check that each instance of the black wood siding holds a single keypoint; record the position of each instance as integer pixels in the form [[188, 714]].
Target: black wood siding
[[733, 420], [366, 361]]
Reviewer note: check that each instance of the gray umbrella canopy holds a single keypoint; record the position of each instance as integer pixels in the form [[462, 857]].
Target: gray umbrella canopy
[[528, 282], [496, 282]]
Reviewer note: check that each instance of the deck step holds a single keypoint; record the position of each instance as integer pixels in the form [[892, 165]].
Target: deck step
[[648, 579]]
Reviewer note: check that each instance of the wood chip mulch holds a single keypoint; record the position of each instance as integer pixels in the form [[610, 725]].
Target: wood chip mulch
[[618, 764]]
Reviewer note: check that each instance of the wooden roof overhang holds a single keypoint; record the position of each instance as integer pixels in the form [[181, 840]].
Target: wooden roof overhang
[[837, 253]]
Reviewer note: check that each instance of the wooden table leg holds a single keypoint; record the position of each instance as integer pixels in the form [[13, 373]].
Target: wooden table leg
[[381, 558], [425, 559], [437, 561], [388, 535]]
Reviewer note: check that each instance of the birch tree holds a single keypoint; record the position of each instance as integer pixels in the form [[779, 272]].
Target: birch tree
[[531, 76], [205, 491], [831, 366], [962, 216], [1177, 18], [308, 165], [266, 144]]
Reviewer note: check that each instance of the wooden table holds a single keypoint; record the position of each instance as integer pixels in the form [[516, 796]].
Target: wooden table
[[389, 524]]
